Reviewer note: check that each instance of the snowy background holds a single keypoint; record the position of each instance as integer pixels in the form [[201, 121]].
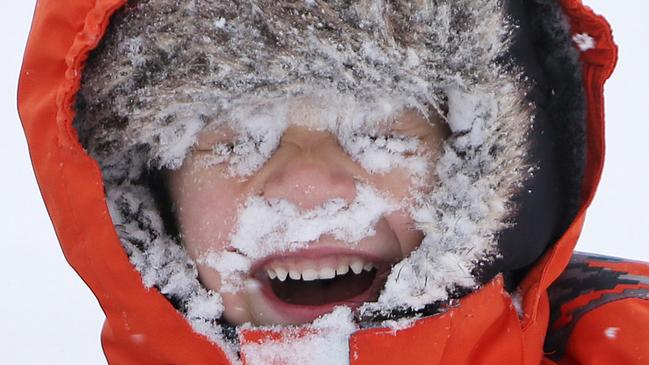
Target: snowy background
[[48, 315]]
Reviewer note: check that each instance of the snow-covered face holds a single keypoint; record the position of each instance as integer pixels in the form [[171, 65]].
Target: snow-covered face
[[317, 224]]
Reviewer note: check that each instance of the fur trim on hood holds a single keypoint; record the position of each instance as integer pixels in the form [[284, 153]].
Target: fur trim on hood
[[167, 69]]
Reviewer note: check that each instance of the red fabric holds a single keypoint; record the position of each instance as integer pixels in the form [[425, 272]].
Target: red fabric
[[602, 305], [611, 334], [638, 269], [143, 328], [472, 333]]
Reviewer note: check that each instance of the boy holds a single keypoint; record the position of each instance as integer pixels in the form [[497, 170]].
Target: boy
[[350, 167]]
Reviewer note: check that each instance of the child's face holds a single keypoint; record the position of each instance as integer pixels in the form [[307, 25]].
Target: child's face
[[308, 170]]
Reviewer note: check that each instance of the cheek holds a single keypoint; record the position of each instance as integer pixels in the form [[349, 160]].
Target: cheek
[[396, 183], [400, 185], [206, 209], [404, 229]]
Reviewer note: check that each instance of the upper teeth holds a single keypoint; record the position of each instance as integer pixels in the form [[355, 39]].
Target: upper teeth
[[323, 273]]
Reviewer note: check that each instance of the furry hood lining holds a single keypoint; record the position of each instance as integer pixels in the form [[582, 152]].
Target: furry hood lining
[[167, 69]]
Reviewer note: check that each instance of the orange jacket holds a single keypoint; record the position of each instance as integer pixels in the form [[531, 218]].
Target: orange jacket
[[142, 327]]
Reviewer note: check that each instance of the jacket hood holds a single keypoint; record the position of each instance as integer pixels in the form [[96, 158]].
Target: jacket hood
[[563, 84], [148, 117]]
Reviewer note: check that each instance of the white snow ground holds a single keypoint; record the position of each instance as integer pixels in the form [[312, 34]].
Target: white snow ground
[[57, 320]]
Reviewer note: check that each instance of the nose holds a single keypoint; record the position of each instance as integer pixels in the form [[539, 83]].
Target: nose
[[310, 177]]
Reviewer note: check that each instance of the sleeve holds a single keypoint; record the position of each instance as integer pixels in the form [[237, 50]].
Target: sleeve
[[600, 312]]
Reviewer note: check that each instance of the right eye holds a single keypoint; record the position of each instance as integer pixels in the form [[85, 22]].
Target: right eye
[[208, 141], [391, 143], [230, 152], [241, 154], [387, 141]]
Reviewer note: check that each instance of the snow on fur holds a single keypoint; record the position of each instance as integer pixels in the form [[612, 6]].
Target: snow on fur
[[161, 261], [147, 94], [469, 205]]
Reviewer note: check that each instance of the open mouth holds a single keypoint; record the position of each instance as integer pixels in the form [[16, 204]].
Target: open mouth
[[323, 287], [314, 285]]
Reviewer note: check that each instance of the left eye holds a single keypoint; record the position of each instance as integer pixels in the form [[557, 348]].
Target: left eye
[[380, 140], [392, 143], [379, 153]]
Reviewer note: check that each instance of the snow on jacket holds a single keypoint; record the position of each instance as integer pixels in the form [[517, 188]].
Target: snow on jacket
[[541, 304]]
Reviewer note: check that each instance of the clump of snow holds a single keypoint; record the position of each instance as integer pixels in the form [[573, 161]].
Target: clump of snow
[[220, 23], [265, 228], [326, 342], [517, 302], [210, 306], [378, 154], [611, 332], [231, 266], [169, 142], [470, 112], [584, 41], [400, 324], [133, 49]]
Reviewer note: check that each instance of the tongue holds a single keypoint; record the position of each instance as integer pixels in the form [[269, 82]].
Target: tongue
[[321, 292]]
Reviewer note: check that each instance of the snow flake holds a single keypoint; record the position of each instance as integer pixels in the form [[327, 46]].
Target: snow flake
[[517, 302], [584, 41], [611, 332], [220, 23]]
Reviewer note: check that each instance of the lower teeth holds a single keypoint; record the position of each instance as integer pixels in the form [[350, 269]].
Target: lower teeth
[[340, 289]]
